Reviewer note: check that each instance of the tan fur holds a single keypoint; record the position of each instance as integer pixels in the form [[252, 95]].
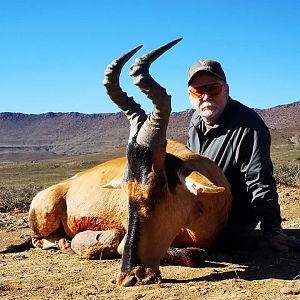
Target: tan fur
[[96, 199], [81, 203]]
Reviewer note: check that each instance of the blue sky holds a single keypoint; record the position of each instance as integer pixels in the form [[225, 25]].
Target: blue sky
[[53, 53]]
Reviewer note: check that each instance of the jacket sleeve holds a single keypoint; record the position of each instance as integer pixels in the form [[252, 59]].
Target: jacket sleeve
[[257, 167]]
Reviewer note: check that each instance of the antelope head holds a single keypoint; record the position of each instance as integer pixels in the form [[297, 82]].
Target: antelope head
[[145, 175]]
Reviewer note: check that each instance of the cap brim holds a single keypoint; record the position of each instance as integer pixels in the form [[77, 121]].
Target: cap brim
[[204, 70]]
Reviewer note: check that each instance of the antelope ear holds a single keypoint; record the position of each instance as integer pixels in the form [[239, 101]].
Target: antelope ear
[[197, 183], [114, 184]]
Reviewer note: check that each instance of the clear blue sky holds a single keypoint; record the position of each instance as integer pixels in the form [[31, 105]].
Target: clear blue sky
[[53, 53]]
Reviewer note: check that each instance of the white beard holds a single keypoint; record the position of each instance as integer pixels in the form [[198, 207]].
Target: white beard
[[208, 110]]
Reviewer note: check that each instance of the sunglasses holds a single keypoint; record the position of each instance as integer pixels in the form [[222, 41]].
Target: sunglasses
[[213, 89]]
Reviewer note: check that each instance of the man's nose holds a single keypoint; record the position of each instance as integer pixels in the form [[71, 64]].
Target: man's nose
[[205, 97]]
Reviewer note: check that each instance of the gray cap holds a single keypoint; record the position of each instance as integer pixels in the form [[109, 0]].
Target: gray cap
[[207, 65]]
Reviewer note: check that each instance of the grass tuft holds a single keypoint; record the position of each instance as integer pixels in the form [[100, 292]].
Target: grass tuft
[[17, 199], [287, 174]]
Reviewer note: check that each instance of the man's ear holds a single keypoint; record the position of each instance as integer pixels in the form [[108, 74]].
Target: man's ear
[[227, 89]]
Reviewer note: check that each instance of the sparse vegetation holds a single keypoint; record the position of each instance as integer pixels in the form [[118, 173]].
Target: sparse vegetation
[[21, 181], [287, 174], [17, 199]]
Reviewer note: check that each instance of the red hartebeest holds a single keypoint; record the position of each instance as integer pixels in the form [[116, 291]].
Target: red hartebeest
[[162, 194]]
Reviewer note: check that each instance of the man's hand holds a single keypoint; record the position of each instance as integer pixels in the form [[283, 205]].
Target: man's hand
[[281, 242]]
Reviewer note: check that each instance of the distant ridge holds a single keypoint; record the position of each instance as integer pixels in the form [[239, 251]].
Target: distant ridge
[[23, 136], [281, 116]]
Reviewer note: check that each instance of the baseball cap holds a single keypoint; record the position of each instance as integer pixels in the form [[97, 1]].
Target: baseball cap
[[207, 65]]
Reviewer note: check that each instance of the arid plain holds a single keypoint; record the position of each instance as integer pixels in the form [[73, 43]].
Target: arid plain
[[258, 273]]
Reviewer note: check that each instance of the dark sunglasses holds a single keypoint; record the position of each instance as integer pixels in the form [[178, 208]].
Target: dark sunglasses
[[213, 89]]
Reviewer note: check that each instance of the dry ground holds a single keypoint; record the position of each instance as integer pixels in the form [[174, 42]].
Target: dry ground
[[260, 274]]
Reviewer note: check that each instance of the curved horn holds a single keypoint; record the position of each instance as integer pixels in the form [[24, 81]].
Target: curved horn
[[140, 69], [113, 71], [133, 111], [153, 131]]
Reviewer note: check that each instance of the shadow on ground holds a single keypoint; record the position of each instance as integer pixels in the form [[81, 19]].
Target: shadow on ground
[[257, 263]]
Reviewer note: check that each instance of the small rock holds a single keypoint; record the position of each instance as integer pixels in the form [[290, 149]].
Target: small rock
[[290, 291], [19, 256]]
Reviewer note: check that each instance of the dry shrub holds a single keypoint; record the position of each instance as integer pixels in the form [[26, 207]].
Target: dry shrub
[[17, 199], [287, 174]]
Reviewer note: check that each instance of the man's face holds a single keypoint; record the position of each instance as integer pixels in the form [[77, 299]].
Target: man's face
[[208, 94]]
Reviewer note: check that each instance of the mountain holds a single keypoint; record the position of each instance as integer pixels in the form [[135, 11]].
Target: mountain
[[281, 116], [36, 136]]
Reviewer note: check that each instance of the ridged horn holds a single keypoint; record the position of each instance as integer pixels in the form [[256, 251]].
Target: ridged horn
[[133, 111], [153, 131]]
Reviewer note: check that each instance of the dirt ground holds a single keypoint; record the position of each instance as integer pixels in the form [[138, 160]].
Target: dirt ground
[[258, 274]]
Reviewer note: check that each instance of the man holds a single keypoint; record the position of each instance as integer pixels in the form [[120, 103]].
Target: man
[[237, 139]]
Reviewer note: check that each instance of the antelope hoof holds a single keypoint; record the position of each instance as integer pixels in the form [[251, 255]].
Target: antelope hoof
[[139, 275]]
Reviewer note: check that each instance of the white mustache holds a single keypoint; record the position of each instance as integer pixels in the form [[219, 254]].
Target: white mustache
[[207, 105]]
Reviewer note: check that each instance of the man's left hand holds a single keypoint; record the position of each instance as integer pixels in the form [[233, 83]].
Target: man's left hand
[[281, 242]]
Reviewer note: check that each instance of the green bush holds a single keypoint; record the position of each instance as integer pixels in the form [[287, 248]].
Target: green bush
[[19, 199], [287, 174]]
